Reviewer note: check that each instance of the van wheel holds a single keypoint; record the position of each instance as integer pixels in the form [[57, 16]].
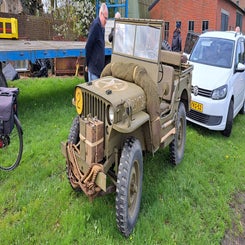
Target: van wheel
[[73, 138], [129, 186], [177, 146], [242, 111], [229, 121]]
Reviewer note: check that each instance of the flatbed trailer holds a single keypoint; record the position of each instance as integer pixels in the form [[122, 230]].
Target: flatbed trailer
[[13, 50]]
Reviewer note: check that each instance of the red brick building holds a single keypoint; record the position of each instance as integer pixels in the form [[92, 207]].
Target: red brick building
[[198, 16]]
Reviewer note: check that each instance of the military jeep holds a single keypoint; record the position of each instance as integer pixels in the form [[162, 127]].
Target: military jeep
[[138, 105]]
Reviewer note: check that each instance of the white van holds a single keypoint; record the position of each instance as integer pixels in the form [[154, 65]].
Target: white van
[[218, 80]]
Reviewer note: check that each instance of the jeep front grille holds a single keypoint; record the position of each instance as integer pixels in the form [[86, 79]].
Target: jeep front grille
[[94, 106]]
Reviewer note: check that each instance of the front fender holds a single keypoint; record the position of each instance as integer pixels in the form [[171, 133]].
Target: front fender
[[137, 120]]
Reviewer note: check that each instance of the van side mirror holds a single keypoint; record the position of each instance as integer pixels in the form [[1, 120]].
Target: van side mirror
[[240, 67]]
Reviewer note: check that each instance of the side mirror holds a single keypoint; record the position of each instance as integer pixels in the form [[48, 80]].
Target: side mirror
[[240, 67]]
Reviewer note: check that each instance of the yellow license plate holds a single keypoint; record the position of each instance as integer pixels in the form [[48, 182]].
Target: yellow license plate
[[196, 106]]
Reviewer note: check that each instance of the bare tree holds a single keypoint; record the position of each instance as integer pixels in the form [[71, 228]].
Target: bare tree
[[32, 7], [53, 4]]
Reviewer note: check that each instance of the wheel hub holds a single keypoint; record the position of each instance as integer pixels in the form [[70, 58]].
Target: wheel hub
[[133, 189]]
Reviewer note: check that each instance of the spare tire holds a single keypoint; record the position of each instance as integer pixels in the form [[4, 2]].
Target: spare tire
[[165, 45]]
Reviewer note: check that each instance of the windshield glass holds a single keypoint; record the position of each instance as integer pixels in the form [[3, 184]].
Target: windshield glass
[[140, 41], [213, 51]]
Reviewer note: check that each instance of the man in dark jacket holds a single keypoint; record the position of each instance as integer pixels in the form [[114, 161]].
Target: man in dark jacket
[[176, 42], [95, 46]]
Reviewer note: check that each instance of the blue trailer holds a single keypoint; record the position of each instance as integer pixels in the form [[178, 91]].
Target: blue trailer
[[11, 50], [14, 50]]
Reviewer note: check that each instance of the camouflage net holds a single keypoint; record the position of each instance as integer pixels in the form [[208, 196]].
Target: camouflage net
[[137, 74]]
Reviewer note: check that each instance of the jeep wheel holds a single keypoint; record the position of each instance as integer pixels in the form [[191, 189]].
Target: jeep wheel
[[177, 146], [73, 138], [129, 186], [229, 121], [74, 131]]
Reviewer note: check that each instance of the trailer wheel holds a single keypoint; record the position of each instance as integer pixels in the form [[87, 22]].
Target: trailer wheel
[[129, 186], [73, 138], [177, 146]]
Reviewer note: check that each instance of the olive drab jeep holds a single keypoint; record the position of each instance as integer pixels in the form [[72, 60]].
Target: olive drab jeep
[[138, 105]]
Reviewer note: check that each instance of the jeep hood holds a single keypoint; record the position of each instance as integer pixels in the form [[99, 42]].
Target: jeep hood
[[209, 77], [115, 91]]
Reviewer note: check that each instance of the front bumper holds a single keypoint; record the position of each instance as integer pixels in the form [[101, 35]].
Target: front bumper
[[214, 113]]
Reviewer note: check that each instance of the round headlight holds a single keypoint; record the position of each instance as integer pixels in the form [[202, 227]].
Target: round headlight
[[111, 115], [79, 100]]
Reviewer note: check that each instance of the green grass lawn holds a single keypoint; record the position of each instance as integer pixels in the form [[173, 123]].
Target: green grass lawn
[[187, 204]]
